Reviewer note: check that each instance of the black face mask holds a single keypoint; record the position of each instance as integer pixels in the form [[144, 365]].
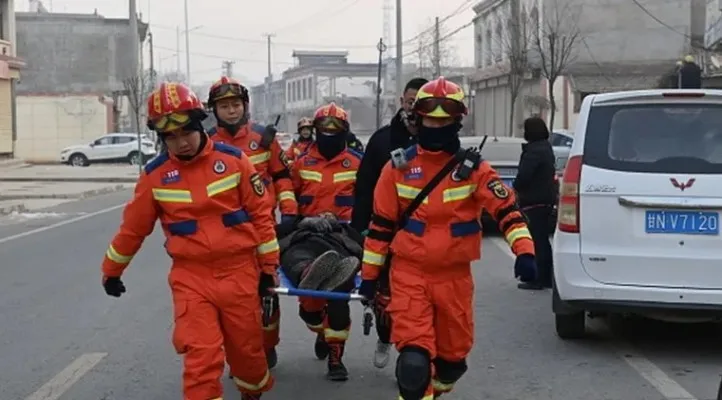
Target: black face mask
[[330, 145], [444, 139]]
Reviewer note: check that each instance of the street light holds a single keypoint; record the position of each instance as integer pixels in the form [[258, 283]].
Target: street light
[[185, 32]]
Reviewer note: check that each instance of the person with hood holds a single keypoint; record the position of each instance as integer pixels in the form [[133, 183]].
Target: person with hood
[[536, 191], [398, 134]]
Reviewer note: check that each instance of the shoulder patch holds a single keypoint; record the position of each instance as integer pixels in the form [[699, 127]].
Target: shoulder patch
[[354, 153], [156, 162], [228, 149], [411, 152]]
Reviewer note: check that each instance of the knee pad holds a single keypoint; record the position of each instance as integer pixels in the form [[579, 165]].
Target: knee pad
[[310, 317], [449, 371], [413, 372], [339, 315]]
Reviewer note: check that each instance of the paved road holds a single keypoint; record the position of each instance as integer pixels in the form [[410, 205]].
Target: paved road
[[56, 324]]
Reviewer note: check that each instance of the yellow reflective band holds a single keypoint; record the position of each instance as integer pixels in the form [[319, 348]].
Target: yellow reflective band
[[224, 184], [260, 157], [286, 195], [373, 258], [307, 175], [516, 234], [218, 398], [332, 334], [251, 387], [271, 327], [442, 387], [409, 192], [268, 247], [458, 193], [315, 327], [344, 176], [114, 256], [172, 195], [427, 397]]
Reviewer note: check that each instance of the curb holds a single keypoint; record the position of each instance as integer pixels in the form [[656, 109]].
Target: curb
[[12, 208], [67, 179], [70, 196]]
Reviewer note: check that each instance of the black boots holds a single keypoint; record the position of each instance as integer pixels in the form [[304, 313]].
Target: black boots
[[320, 348], [336, 370]]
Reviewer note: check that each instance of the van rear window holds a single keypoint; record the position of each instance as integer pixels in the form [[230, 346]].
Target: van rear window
[[655, 138]]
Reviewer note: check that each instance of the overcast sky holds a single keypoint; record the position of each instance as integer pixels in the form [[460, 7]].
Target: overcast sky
[[233, 29]]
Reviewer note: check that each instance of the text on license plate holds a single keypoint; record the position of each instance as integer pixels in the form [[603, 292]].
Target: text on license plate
[[682, 222]]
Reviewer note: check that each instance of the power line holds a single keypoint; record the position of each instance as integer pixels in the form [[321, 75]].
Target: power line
[[443, 38], [224, 57], [323, 12], [666, 25]]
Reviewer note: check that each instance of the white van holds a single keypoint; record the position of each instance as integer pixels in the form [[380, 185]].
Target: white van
[[639, 209]]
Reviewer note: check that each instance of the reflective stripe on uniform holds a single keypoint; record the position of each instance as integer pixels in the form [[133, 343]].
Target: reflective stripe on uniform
[[459, 193], [333, 334], [426, 397], [442, 387], [344, 176], [119, 258], [224, 184], [409, 192], [308, 175], [315, 328], [516, 234], [373, 258], [268, 247], [260, 157], [172, 195], [251, 387], [271, 327], [286, 195]]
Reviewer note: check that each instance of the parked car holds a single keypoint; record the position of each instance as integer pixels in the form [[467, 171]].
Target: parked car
[[561, 138], [113, 147], [639, 214]]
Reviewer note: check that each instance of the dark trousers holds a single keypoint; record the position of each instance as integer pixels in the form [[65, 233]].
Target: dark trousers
[[383, 322], [538, 222]]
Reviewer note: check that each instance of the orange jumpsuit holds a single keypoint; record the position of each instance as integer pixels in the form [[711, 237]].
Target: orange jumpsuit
[[326, 186], [273, 165], [220, 235], [297, 149], [432, 288]]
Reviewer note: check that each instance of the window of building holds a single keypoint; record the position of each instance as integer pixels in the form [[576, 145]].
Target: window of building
[[304, 91], [488, 49], [479, 51], [311, 89], [500, 40], [298, 90], [288, 92], [295, 93]]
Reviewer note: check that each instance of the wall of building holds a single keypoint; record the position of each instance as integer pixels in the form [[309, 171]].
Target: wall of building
[[47, 124]]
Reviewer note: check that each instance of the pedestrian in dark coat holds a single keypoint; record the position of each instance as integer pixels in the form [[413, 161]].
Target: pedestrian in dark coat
[[536, 192]]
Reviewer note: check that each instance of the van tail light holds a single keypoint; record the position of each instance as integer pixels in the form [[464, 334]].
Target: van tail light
[[569, 196]]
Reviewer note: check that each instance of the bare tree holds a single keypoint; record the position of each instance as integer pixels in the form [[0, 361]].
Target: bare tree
[[137, 89], [448, 55], [512, 46], [554, 44]]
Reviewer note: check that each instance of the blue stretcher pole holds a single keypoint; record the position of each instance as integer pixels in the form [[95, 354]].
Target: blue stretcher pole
[[317, 293]]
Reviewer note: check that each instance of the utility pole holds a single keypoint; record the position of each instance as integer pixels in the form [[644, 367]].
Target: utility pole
[[227, 67], [399, 52], [135, 76], [437, 49], [381, 48], [153, 73], [269, 78], [177, 50], [188, 43]]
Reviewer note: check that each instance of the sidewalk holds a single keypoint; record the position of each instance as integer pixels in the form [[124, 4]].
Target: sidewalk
[[64, 173]]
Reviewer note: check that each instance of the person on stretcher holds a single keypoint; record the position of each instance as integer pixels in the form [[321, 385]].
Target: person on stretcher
[[324, 181]]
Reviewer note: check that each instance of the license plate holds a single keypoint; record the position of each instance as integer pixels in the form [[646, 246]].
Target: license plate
[[682, 222]]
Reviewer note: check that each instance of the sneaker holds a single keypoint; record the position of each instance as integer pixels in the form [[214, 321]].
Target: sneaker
[[381, 355], [320, 348], [336, 370], [319, 270], [342, 276], [271, 358]]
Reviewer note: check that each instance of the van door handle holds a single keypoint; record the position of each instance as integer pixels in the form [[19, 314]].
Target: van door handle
[[677, 203]]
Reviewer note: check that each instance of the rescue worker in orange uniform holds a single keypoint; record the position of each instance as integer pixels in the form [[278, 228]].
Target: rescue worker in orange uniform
[[324, 178], [304, 139], [229, 102], [432, 288], [215, 214]]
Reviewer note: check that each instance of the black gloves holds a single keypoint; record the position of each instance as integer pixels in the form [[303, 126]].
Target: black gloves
[[367, 289], [265, 283], [113, 286]]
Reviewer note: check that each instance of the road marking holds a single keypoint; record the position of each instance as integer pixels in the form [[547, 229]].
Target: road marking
[[59, 224], [60, 384], [665, 385]]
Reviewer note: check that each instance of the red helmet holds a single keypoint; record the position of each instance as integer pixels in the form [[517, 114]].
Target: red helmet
[[173, 105], [331, 118], [440, 99], [304, 122], [226, 88]]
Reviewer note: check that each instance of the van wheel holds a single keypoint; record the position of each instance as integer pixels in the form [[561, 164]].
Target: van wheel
[[570, 326]]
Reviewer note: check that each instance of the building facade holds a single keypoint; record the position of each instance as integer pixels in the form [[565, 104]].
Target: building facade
[[620, 47], [10, 66]]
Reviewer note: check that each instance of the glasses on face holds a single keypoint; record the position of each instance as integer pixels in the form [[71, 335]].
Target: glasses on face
[[227, 90], [171, 122], [451, 107], [330, 125]]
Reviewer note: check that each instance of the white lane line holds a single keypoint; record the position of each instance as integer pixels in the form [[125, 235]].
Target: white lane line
[[60, 384], [665, 385], [59, 224]]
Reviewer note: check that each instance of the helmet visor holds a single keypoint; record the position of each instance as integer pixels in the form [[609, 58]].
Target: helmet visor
[[330, 125], [171, 122], [227, 90], [439, 107]]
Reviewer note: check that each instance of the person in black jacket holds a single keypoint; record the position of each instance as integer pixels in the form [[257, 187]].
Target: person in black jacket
[[398, 134], [536, 193]]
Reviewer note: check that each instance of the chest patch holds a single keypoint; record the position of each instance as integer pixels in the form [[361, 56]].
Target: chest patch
[[346, 163], [413, 174], [309, 161], [171, 177], [219, 167], [253, 145]]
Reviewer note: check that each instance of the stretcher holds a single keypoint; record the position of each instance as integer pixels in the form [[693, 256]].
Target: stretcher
[[286, 288]]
